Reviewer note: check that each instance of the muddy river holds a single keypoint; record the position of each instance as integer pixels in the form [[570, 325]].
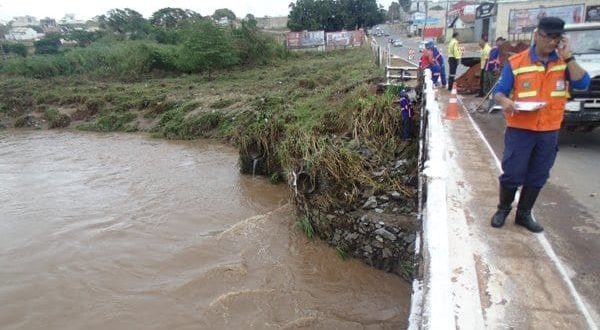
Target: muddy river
[[117, 231]]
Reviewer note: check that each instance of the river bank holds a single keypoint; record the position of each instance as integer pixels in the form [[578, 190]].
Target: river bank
[[314, 117]]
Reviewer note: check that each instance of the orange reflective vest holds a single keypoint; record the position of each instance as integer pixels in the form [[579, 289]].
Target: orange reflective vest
[[535, 83]]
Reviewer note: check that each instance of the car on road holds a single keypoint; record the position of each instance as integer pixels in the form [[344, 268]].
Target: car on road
[[397, 43]]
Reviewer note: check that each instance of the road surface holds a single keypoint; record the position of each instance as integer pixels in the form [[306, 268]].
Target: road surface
[[569, 205]]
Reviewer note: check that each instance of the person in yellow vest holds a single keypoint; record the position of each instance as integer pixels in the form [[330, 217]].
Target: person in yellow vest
[[454, 55], [540, 74], [485, 53]]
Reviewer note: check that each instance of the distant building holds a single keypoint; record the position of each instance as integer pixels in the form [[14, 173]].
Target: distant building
[[272, 23], [69, 19], [21, 34], [24, 21], [515, 20], [49, 25]]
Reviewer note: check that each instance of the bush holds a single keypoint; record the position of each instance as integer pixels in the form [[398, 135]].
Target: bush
[[15, 48], [111, 122], [57, 119]]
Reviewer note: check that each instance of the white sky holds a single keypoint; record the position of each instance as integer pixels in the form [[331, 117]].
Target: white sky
[[87, 9]]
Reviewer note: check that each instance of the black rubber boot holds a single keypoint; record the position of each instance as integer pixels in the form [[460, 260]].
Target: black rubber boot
[[507, 195], [526, 201]]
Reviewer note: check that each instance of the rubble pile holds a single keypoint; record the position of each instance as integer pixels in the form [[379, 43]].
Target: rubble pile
[[468, 82], [506, 50]]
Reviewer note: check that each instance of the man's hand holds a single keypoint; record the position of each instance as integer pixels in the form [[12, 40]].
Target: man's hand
[[507, 104]]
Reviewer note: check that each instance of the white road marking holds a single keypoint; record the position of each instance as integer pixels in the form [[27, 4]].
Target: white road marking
[[541, 238]]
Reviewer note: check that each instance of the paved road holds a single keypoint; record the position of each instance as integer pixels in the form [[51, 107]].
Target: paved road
[[569, 205], [395, 33]]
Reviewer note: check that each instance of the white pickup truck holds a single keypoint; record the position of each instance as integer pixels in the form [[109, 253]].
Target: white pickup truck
[[582, 112]]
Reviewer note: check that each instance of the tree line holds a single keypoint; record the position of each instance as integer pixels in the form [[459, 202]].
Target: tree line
[[334, 15]]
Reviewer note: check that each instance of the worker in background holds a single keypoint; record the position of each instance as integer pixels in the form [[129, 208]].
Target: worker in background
[[428, 62], [493, 66], [542, 73], [407, 111], [454, 56], [439, 59], [485, 53]]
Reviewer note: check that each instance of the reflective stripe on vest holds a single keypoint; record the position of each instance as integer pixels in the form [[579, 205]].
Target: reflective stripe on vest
[[558, 94], [560, 67], [531, 68], [527, 94]]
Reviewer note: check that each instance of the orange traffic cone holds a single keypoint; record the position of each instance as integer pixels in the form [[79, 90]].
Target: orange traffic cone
[[452, 112]]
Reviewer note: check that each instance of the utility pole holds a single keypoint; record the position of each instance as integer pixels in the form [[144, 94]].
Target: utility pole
[[426, 16], [446, 21]]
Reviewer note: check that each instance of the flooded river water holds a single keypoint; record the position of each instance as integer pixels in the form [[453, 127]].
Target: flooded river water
[[116, 231]]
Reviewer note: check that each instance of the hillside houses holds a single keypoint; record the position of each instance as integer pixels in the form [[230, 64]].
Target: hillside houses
[[29, 28], [22, 34]]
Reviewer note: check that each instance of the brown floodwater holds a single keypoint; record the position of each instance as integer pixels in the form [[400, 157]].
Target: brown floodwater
[[121, 231]]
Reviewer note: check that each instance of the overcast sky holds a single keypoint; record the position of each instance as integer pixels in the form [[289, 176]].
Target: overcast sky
[[87, 9]]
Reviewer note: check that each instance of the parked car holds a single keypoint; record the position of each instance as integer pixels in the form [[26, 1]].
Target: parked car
[[397, 43]]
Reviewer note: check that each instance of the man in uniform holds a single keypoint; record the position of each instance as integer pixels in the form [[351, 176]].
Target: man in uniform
[[538, 74], [485, 53], [439, 59], [492, 68], [454, 56]]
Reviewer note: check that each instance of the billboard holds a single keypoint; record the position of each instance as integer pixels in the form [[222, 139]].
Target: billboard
[[345, 38], [526, 20], [305, 39], [592, 14]]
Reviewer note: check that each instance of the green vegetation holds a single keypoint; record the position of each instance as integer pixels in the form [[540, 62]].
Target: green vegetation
[[341, 249], [129, 48], [57, 119], [330, 15], [306, 227]]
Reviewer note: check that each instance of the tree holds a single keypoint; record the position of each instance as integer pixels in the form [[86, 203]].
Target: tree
[[393, 12], [405, 4], [172, 18], [167, 23], [304, 15], [250, 19], [207, 47], [334, 15], [126, 22], [48, 45], [223, 12], [85, 38], [3, 32]]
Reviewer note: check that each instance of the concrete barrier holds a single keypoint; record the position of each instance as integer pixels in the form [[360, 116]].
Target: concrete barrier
[[431, 305]]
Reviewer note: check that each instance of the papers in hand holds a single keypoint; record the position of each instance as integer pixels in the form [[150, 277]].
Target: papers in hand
[[529, 106]]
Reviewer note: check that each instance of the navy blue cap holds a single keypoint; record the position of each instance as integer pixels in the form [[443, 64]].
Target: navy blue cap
[[551, 25]]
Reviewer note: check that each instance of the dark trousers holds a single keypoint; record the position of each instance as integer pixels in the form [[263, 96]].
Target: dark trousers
[[528, 157], [482, 90], [406, 125], [453, 62], [443, 74]]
